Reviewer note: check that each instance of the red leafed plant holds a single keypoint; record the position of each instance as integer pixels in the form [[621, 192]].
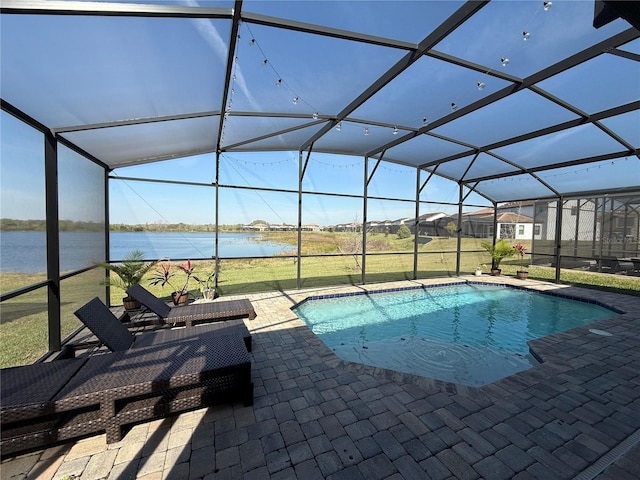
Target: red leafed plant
[[187, 268], [164, 274], [521, 251]]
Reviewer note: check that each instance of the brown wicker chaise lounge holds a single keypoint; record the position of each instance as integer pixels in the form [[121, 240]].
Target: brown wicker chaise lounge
[[142, 384], [195, 312], [46, 403], [116, 337], [29, 417]]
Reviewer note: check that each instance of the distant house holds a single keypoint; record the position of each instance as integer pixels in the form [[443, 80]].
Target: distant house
[[376, 226], [348, 227], [429, 224], [435, 224], [257, 227], [310, 227], [395, 225], [390, 226], [511, 224], [282, 227]]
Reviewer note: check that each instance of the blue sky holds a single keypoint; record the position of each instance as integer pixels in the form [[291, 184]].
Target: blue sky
[[22, 187], [427, 88], [327, 173]]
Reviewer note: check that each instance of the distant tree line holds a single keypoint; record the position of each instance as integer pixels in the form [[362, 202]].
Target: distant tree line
[[173, 227], [161, 227], [15, 225]]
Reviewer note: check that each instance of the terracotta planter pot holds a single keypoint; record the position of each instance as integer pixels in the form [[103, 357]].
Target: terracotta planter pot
[[179, 299], [522, 275], [130, 303], [496, 272]]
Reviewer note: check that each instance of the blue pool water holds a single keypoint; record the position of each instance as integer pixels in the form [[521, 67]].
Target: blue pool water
[[470, 334]]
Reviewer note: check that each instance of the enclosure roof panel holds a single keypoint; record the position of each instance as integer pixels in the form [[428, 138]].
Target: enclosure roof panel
[[508, 98], [149, 142], [72, 71]]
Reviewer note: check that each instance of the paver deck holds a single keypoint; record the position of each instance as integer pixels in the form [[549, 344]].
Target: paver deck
[[577, 415]]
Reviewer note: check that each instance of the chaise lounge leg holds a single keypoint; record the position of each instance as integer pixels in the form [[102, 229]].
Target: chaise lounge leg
[[108, 412], [114, 433]]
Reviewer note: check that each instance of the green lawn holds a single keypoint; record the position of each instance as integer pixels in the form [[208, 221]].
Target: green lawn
[[23, 326]]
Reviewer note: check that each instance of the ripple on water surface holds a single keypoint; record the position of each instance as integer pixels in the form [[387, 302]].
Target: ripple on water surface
[[462, 364]]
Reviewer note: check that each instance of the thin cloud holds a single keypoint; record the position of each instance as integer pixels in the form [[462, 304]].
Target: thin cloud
[[210, 34]]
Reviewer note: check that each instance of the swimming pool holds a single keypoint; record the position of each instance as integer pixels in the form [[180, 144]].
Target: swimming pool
[[471, 334]]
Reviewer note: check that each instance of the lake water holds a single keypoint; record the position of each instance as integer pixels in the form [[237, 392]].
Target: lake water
[[25, 251]]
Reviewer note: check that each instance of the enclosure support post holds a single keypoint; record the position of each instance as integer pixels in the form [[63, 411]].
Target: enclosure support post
[[577, 230], [231, 53], [416, 233], [594, 233], [637, 232], [495, 224], [610, 220], [216, 267], [624, 229], [107, 244], [459, 228], [301, 170], [363, 260], [533, 233], [602, 216], [53, 240], [559, 237]]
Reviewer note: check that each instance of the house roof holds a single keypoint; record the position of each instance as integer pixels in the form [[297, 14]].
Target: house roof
[[513, 100], [510, 217], [430, 217], [486, 215]]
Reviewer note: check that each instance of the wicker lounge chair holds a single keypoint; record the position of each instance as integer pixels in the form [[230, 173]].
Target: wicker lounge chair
[[147, 376], [189, 314], [116, 337], [46, 403], [29, 417], [142, 384], [609, 264]]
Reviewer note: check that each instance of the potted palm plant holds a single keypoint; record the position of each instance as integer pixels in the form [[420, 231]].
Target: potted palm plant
[[498, 251], [127, 273]]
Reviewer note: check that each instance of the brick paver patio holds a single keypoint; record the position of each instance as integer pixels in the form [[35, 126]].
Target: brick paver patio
[[577, 415]]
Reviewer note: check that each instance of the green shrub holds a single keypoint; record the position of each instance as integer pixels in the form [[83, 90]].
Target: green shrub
[[404, 232]]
